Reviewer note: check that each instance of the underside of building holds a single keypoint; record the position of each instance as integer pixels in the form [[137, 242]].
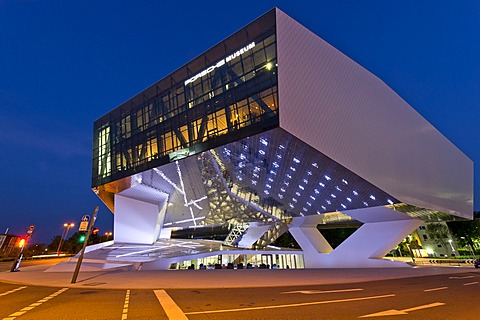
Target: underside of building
[[272, 130]]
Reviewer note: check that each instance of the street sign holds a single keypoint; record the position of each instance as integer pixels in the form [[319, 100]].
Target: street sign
[[82, 252], [86, 218], [31, 229], [83, 226]]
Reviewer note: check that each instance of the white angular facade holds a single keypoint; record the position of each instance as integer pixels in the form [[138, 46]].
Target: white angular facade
[[273, 130], [350, 115]]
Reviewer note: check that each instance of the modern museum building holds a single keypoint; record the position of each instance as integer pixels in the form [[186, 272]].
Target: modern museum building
[[272, 130]]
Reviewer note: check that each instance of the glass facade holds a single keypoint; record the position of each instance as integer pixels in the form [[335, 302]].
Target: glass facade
[[227, 93], [254, 261]]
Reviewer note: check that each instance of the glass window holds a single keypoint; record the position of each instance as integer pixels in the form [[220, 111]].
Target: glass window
[[221, 121], [244, 115], [271, 53], [248, 63], [269, 40], [167, 139], [259, 58], [244, 86], [180, 96], [237, 70]]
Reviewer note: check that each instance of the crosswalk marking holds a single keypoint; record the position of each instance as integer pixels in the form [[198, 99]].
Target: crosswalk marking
[[169, 306], [11, 291], [33, 305]]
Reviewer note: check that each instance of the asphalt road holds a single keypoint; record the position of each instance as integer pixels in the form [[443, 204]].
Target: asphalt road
[[6, 266], [432, 297]]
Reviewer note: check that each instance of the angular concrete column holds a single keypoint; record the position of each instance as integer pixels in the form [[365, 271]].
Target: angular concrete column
[[139, 215], [305, 232], [382, 230]]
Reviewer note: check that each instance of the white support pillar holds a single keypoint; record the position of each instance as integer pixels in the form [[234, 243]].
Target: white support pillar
[[139, 215], [305, 232], [382, 229]]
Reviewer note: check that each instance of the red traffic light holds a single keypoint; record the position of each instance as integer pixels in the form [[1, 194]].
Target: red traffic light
[[21, 243], [95, 230]]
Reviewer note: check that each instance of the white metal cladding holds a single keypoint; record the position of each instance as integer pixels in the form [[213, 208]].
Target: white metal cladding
[[348, 114]]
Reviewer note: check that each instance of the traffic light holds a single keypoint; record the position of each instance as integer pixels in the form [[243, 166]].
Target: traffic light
[[21, 243], [95, 231], [81, 238]]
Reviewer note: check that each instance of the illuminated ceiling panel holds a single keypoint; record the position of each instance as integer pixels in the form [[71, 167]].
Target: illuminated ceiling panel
[[272, 176], [284, 171]]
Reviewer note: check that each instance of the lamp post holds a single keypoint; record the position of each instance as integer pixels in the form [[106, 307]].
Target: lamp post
[[66, 227], [108, 235], [469, 247], [451, 245]]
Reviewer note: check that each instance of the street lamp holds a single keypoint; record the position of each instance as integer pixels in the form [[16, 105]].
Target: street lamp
[[107, 235], [469, 247], [451, 245], [66, 227]]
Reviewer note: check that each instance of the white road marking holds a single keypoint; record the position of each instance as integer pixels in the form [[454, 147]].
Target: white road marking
[[466, 277], [425, 306], [11, 291], [169, 306], [435, 289], [394, 312], [125, 305], [293, 304], [470, 283], [33, 305], [319, 291]]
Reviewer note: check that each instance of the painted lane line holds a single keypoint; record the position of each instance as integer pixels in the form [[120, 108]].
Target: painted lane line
[[172, 310], [125, 305], [303, 304], [11, 291], [466, 277], [435, 289], [426, 306], [33, 305], [470, 283], [394, 312], [28, 308], [319, 291]]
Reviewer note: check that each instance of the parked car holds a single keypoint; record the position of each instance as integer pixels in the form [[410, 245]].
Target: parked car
[[476, 263]]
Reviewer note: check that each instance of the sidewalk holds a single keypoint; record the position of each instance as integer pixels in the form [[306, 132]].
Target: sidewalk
[[195, 279]]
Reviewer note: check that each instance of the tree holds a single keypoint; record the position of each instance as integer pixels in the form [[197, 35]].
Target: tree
[[407, 246], [336, 236], [35, 249], [74, 243], [286, 240], [53, 246], [465, 232]]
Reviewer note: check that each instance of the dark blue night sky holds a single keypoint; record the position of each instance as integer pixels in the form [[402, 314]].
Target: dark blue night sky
[[64, 64]]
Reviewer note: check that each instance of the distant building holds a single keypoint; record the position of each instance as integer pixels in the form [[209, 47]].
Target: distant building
[[8, 244], [435, 248], [272, 130]]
